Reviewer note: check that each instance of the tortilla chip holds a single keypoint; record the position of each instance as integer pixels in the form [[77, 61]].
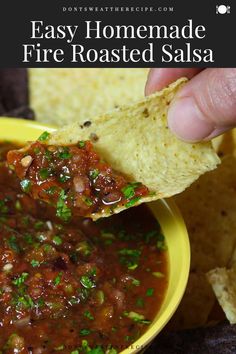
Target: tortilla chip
[[136, 141], [209, 210], [216, 142], [223, 282], [63, 96], [196, 304]]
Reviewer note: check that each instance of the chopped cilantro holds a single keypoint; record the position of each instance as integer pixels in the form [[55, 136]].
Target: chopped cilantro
[[44, 173], [73, 301], [130, 257], [21, 279], [92, 272], [25, 185], [26, 220], [161, 245], [63, 212], [100, 296], [140, 302], [158, 274], [129, 190], [18, 205], [51, 190], [36, 151], [136, 317], [132, 202], [57, 240], [38, 225], [111, 351], [13, 243], [136, 282], [151, 235], [24, 301], [130, 252], [132, 265], [87, 314], [107, 235], [88, 201], [108, 242], [81, 144], [150, 292], [97, 350], [48, 155], [47, 248], [41, 302], [64, 153], [84, 294], [94, 173], [29, 239], [60, 347], [84, 248], [34, 263], [63, 178], [3, 207], [57, 280], [87, 282], [44, 136], [85, 332]]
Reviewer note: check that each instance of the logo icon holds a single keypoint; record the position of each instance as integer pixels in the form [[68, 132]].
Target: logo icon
[[222, 9]]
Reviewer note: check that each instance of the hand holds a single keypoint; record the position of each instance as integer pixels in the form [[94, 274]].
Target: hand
[[205, 107]]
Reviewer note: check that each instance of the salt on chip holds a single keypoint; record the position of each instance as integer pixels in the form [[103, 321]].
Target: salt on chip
[[196, 305], [223, 282], [209, 210], [135, 140]]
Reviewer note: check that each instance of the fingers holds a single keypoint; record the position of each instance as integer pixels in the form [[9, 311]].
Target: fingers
[[206, 106], [159, 78]]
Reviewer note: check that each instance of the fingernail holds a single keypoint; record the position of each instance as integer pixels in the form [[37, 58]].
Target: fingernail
[[187, 122], [150, 83]]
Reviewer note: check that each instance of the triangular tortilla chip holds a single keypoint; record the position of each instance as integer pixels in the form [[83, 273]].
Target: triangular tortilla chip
[[136, 142], [223, 282]]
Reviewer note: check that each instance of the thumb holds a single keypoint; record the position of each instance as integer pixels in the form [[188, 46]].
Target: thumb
[[206, 106]]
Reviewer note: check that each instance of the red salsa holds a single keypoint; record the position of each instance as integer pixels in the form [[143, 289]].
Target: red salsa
[[78, 287], [74, 179]]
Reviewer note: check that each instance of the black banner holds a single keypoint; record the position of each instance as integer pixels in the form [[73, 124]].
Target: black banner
[[154, 33]]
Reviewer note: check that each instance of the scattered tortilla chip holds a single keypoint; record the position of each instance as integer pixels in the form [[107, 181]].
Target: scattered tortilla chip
[[196, 304], [223, 282], [209, 210], [136, 141], [63, 96]]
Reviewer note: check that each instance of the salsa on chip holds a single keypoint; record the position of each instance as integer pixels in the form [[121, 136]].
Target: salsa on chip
[[120, 160]]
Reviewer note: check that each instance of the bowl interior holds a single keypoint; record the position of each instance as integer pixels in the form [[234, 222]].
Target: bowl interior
[[166, 213]]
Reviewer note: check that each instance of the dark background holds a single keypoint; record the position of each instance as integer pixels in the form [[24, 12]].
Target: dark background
[[15, 28]]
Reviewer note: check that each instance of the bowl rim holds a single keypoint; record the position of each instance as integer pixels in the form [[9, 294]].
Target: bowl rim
[[168, 205]]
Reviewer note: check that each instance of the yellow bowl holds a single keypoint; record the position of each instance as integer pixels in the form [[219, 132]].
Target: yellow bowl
[[166, 213]]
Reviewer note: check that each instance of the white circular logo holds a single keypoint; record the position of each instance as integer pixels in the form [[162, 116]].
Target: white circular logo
[[222, 9]]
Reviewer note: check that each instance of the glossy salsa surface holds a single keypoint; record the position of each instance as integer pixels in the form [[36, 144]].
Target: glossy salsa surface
[[78, 287], [74, 179]]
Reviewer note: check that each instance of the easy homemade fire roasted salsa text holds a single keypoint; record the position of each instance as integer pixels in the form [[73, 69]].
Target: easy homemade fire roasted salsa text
[[73, 178], [78, 287]]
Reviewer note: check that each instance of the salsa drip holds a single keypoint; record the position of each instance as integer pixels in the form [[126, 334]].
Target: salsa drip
[[74, 179]]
